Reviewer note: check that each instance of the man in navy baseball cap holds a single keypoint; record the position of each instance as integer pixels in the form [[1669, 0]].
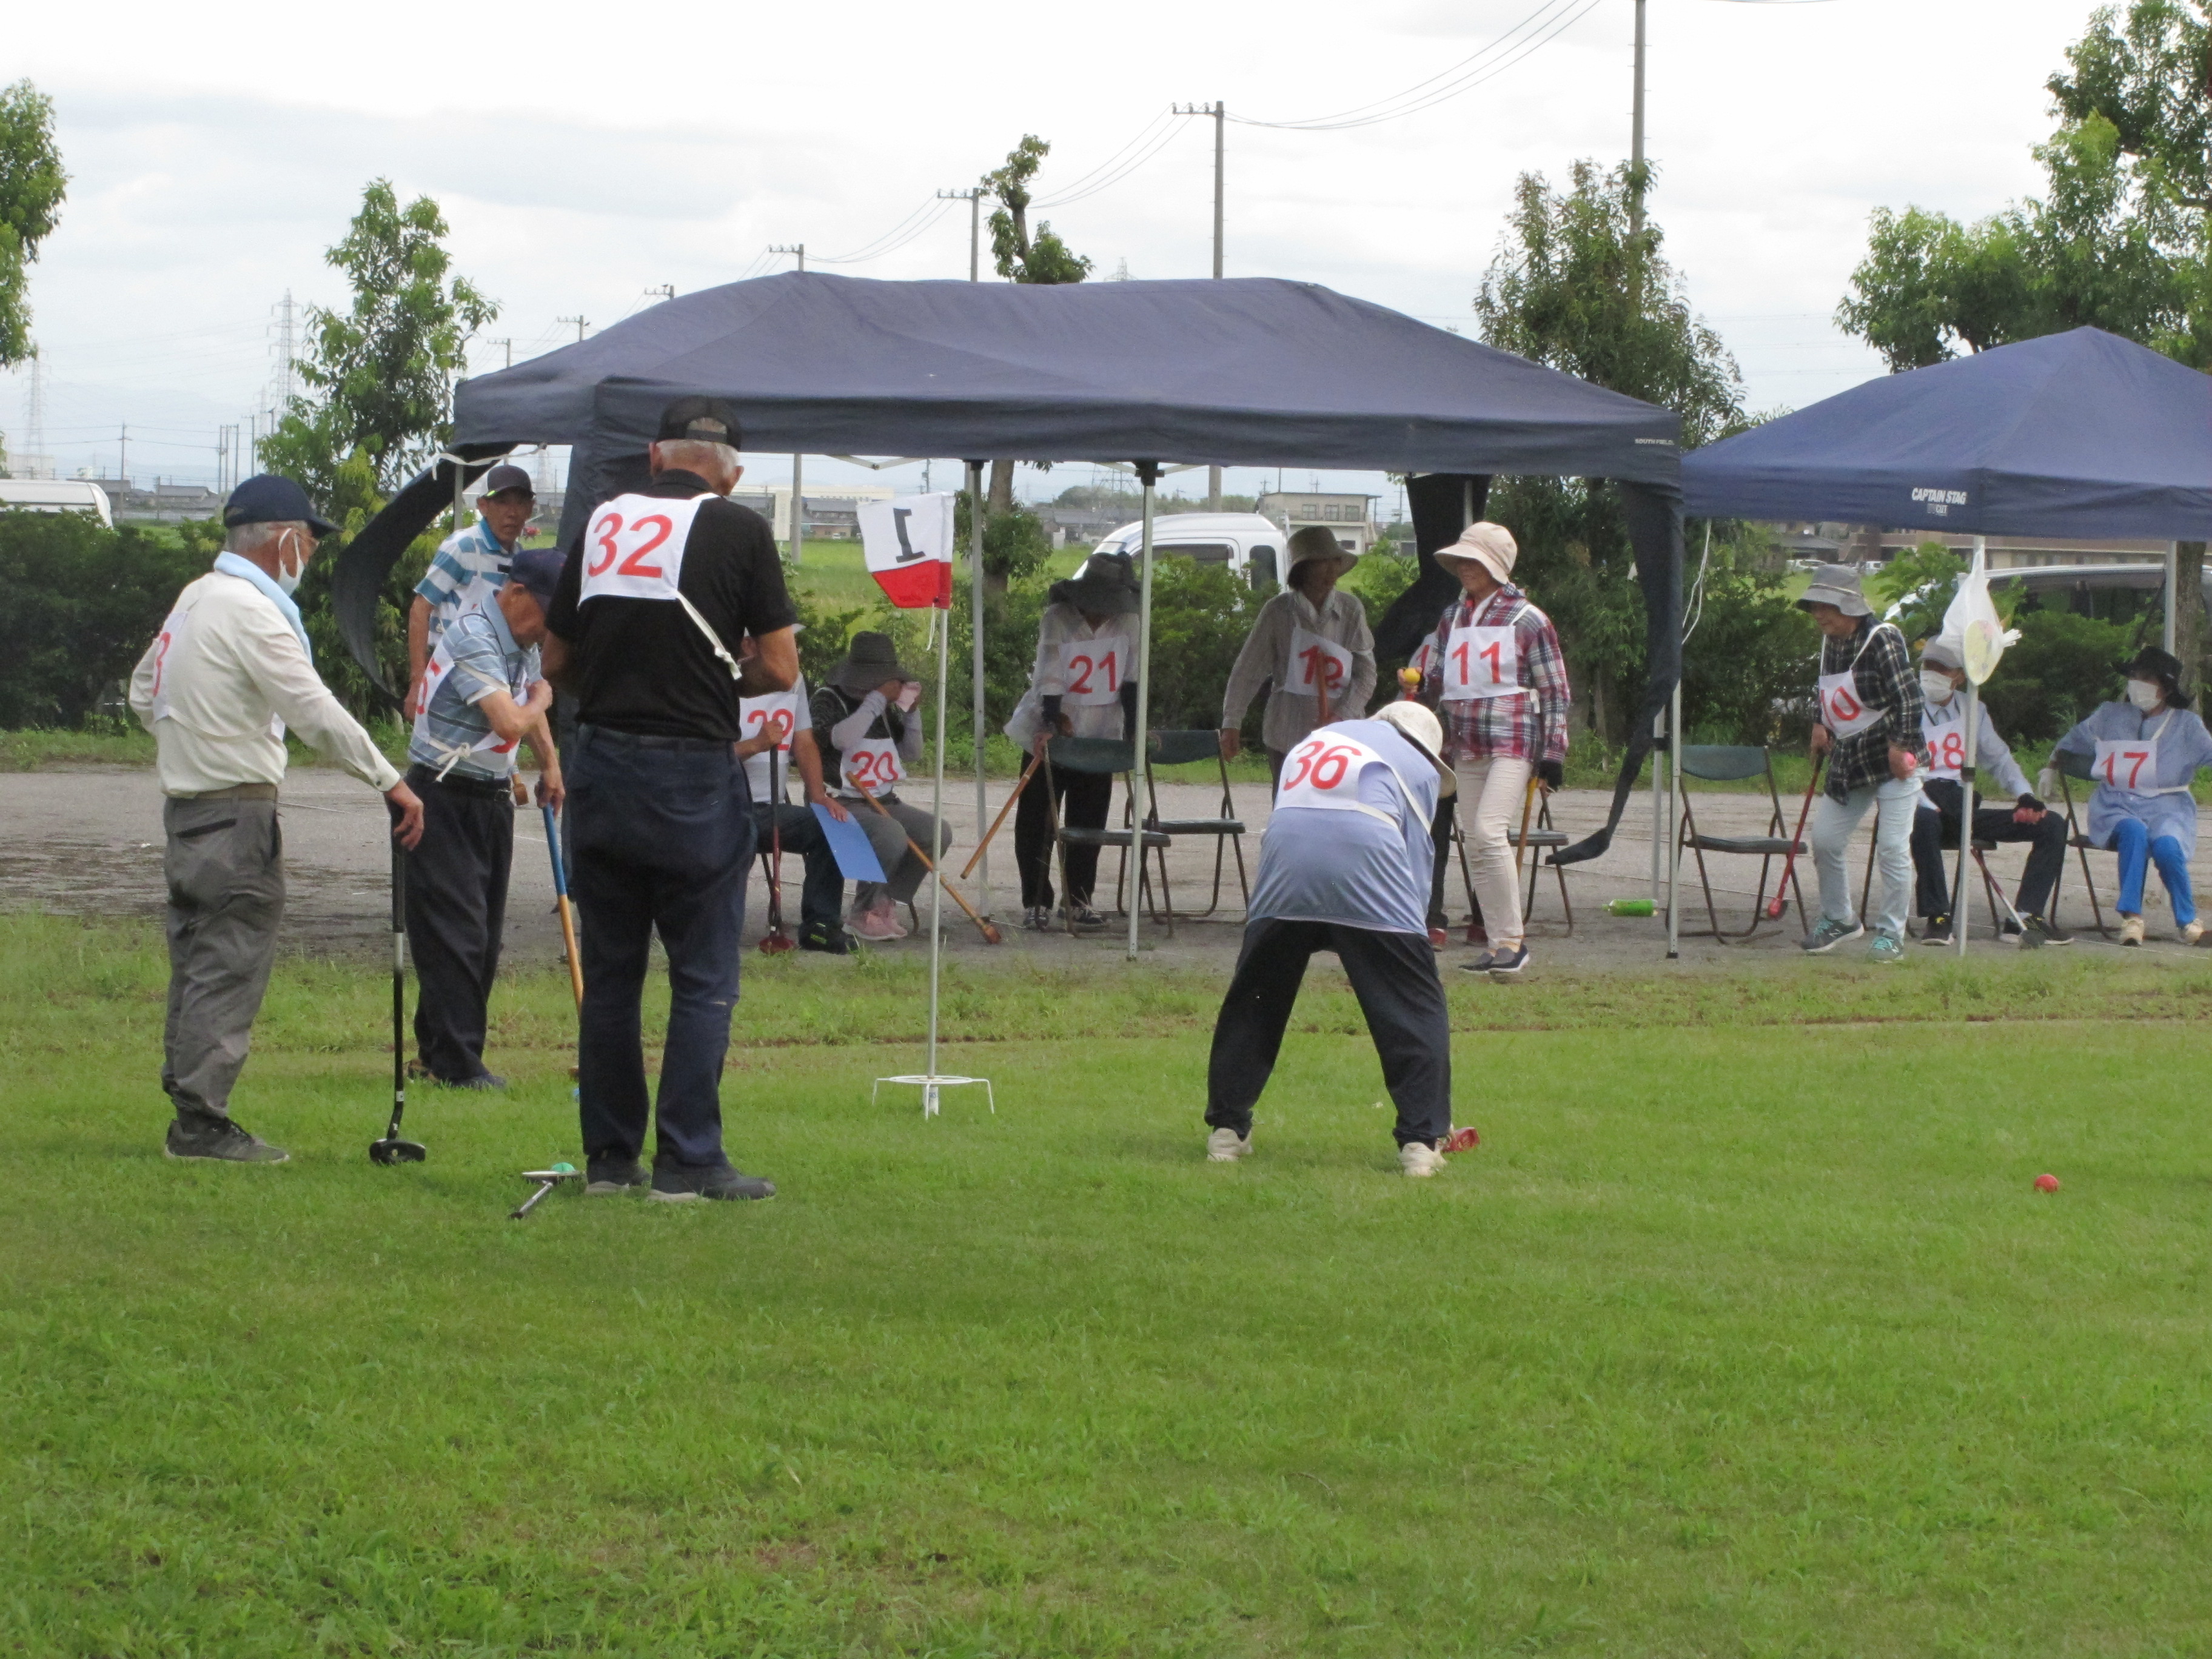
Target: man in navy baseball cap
[[266, 498], [469, 566]]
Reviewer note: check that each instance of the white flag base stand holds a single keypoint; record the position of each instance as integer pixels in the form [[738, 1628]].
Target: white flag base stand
[[930, 1085]]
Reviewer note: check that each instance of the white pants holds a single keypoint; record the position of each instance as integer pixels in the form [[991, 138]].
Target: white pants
[[1834, 823], [1491, 793]]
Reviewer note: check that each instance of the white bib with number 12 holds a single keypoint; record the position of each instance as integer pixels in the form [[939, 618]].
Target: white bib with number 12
[[1482, 662], [1091, 672], [1316, 663]]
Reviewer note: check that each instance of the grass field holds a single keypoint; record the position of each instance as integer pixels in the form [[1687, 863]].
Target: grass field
[[1743, 1333]]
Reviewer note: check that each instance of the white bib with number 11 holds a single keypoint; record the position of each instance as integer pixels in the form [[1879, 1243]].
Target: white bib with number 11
[[1482, 662]]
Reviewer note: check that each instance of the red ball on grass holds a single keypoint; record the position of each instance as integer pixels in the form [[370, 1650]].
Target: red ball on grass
[[2046, 1183]]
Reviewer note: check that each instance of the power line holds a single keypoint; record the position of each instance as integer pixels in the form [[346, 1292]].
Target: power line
[[921, 220], [1100, 179]]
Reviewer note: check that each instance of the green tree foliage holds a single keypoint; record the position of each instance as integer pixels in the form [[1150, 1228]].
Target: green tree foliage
[[1572, 288], [82, 602], [1019, 257], [1749, 656], [2063, 667], [31, 186]]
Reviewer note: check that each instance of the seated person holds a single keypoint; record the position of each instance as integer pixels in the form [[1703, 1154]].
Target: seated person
[[868, 733], [778, 736], [2141, 755], [1942, 798]]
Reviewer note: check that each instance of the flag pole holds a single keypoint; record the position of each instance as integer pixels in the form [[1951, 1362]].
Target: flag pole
[[943, 618], [976, 599], [1149, 471], [1959, 908]]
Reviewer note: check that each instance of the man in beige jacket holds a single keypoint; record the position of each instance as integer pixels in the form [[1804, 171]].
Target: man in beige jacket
[[228, 674]]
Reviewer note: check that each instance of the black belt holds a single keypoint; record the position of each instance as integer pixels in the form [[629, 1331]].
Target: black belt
[[641, 740], [419, 776]]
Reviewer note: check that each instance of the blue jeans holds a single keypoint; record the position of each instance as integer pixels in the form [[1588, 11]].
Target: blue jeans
[[661, 839], [2131, 840]]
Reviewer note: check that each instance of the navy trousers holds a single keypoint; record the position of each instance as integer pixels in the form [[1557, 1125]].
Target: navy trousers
[[822, 897], [661, 835]]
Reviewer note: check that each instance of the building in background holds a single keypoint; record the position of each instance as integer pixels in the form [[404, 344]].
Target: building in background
[[1350, 519], [832, 515], [1806, 542]]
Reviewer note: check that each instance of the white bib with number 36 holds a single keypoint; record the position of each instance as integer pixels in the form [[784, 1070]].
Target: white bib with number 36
[[1324, 771], [1316, 663], [872, 764], [634, 547], [1482, 662], [1841, 711], [2129, 763], [1090, 671]]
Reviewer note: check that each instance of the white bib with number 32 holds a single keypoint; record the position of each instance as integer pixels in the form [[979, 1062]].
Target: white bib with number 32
[[871, 764], [1482, 662], [634, 547], [1324, 771], [1090, 671], [1316, 663]]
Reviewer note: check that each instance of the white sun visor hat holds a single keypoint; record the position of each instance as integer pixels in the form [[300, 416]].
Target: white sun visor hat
[[1418, 726]]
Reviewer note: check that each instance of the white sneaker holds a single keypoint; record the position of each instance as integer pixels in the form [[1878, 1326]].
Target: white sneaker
[[2131, 930], [2192, 933], [1418, 1158], [1226, 1147]]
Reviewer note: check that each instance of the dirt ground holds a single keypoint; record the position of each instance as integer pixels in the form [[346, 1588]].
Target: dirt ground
[[86, 840]]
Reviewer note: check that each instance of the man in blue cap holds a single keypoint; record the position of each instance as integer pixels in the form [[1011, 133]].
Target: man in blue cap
[[228, 675], [470, 564], [483, 697]]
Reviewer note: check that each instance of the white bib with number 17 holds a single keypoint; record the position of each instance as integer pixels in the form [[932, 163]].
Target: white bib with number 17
[[2127, 763], [1090, 671], [1482, 662]]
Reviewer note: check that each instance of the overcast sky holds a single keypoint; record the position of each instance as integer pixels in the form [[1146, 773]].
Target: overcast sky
[[216, 151]]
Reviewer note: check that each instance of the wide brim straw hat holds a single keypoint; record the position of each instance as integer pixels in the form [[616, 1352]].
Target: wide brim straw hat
[[1106, 588], [1317, 541], [869, 658], [1490, 545], [1418, 724], [1837, 585]]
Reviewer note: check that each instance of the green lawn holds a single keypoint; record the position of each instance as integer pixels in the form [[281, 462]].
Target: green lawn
[[1744, 1333]]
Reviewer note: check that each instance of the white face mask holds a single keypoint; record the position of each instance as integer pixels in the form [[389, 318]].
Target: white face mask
[[2145, 695], [287, 576], [1937, 688]]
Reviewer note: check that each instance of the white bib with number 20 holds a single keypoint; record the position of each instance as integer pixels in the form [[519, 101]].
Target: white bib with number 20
[[2127, 763], [1482, 662], [872, 764]]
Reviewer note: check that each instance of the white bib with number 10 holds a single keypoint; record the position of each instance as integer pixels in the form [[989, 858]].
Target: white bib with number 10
[[872, 764], [1324, 771], [1091, 672], [634, 547], [1482, 662], [1841, 711]]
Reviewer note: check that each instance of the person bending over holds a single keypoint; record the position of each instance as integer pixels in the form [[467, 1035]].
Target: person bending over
[[1082, 684], [1868, 727], [1942, 798], [1344, 866], [2142, 754]]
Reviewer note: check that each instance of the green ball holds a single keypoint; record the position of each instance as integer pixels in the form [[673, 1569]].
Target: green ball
[[564, 1169]]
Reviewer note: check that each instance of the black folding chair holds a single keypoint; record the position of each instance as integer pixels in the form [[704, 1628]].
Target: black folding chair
[[1111, 756], [1981, 850], [1734, 763], [1540, 838], [2072, 766], [1182, 749]]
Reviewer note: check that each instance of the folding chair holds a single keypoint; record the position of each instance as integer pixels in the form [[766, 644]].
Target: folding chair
[[1990, 892], [1541, 837], [1109, 755], [1733, 764], [2072, 766], [1180, 749]]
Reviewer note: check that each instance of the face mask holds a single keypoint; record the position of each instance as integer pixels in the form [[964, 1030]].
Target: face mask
[[1937, 688], [2144, 694], [288, 578]]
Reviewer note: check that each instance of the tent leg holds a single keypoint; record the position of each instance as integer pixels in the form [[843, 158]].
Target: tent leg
[[1149, 471], [975, 593], [1673, 784]]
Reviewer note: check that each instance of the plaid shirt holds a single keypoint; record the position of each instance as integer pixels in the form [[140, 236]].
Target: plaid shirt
[[1526, 727], [1882, 674]]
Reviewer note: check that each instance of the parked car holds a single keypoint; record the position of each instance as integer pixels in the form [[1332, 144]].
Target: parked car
[[1249, 544], [56, 495]]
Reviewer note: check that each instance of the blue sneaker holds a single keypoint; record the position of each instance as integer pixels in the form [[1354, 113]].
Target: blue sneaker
[[1827, 933], [1886, 948], [1507, 963], [1481, 963]]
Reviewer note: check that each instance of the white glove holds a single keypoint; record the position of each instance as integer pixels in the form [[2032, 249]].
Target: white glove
[[2046, 783]]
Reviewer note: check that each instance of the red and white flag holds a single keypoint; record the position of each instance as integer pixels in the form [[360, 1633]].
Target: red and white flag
[[909, 541]]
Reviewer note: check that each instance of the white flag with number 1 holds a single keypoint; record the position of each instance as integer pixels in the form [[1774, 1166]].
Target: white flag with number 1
[[908, 541]]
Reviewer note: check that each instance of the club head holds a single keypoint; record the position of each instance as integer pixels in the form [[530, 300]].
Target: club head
[[392, 1150], [1774, 909], [776, 944]]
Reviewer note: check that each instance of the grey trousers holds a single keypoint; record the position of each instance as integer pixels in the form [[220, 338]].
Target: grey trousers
[[889, 837], [225, 868]]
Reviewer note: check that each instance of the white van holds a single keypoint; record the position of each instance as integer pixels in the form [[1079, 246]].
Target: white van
[[56, 495], [1249, 544]]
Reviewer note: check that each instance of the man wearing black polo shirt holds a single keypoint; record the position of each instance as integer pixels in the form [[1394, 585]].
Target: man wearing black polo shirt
[[644, 628]]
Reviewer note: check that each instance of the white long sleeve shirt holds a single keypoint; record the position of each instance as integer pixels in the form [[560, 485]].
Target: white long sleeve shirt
[[223, 682], [1060, 625]]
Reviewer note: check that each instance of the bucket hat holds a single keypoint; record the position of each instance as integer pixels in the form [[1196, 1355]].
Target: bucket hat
[[1837, 585], [1318, 541], [1106, 587], [869, 658], [1418, 724], [1490, 545]]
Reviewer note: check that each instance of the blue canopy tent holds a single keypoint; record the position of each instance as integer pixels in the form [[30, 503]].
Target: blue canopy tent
[[1248, 371], [2082, 435]]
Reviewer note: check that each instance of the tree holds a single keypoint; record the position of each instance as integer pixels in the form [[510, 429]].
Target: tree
[[1021, 258], [31, 186], [1574, 289]]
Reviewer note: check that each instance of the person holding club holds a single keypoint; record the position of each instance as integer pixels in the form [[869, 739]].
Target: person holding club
[[1312, 644], [1082, 685], [778, 739], [1868, 727], [869, 734], [1942, 799], [1344, 866], [656, 597], [470, 565], [2142, 754], [1500, 678], [483, 696], [228, 675]]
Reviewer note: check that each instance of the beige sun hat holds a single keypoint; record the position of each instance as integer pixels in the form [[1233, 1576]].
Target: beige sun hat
[[1318, 541], [1490, 545]]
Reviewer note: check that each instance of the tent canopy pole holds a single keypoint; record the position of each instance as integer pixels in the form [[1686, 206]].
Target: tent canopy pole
[[1148, 473]]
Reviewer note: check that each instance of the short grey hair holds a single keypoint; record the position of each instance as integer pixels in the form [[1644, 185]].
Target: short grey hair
[[688, 453], [245, 537]]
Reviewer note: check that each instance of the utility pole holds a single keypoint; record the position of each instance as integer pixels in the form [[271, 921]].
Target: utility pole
[[122, 455], [1219, 112], [34, 414], [666, 290], [800, 248], [509, 344], [580, 326], [975, 200], [1636, 137], [797, 461]]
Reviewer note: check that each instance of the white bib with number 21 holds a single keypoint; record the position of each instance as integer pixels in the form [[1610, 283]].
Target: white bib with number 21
[[1482, 662], [1091, 672]]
